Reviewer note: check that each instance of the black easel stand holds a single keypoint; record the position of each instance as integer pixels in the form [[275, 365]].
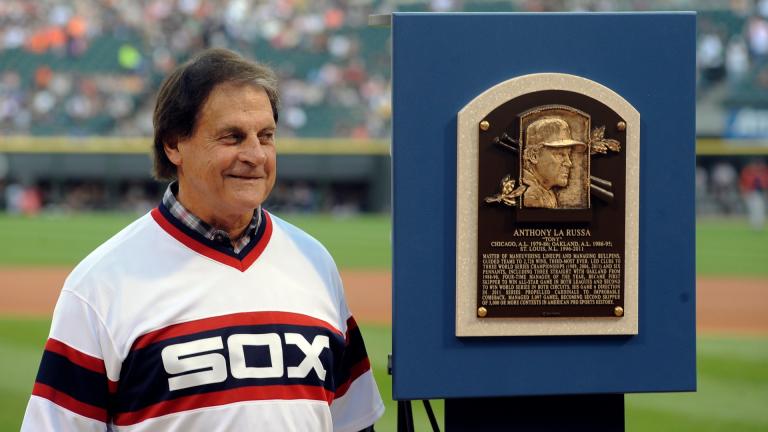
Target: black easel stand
[[405, 416], [572, 413]]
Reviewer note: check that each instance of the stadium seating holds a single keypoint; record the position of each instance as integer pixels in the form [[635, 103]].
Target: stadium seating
[[62, 74]]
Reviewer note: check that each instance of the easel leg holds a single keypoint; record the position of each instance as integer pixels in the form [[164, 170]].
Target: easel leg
[[404, 416]]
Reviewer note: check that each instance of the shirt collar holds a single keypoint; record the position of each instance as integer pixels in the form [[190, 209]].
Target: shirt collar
[[189, 219]]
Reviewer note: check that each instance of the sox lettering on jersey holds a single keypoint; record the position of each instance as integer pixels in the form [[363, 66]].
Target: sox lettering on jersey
[[251, 356], [200, 362]]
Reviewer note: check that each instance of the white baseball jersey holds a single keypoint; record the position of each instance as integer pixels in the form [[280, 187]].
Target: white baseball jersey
[[162, 329]]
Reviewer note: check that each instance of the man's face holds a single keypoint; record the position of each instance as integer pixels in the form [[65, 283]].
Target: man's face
[[554, 165], [227, 167]]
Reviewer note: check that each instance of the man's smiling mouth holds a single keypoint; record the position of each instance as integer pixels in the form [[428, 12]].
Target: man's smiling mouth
[[239, 177]]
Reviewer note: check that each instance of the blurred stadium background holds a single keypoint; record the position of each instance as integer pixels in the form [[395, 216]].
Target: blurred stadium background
[[77, 83]]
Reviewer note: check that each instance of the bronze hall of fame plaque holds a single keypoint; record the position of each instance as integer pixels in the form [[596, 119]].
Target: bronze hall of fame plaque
[[547, 196]]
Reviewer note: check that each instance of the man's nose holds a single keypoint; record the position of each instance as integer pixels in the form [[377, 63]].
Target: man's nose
[[252, 152], [567, 161]]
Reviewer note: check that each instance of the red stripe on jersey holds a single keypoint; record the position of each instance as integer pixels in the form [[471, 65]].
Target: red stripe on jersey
[[211, 253], [260, 246], [223, 321], [81, 359], [360, 368], [66, 401], [351, 325], [241, 394]]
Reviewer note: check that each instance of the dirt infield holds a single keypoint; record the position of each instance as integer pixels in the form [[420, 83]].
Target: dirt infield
[[723, 305], [32, 291]]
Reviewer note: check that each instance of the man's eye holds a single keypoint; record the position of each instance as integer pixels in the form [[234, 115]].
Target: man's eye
[[230, 139], [267, 136]]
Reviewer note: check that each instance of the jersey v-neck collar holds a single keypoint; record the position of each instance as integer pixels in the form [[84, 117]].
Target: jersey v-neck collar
[[202, 245]]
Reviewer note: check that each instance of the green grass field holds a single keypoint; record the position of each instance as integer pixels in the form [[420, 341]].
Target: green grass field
[[355, 242], [733, 371], [730, 248]]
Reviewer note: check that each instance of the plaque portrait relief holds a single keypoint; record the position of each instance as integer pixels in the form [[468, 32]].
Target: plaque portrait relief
[[554, 169], [547, 194], [547, 161]]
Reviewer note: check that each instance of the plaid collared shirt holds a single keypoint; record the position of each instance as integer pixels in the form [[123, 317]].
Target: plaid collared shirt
[[198, 225]]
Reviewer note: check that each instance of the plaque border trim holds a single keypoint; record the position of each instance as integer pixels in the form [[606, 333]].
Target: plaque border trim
[[469, 117]]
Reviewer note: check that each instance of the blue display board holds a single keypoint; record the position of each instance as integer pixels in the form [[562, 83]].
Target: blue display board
[[440, 63]]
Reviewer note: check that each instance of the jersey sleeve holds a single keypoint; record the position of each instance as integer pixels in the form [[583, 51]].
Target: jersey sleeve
[[357, 403], [72, 389]]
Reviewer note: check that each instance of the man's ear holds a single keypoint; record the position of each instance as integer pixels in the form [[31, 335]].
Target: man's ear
[[171, 149]]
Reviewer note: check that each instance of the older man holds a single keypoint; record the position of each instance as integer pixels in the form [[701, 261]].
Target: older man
[[547, 160], [208, 313]]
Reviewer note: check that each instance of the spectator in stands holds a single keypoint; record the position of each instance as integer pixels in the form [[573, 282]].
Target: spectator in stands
[[724, 186], [21, 199], [736, 60], [12, 197], [30, 201], [133, 44], [757, 36], [701, 183], [754, 185], [711, 56], [124, 47]]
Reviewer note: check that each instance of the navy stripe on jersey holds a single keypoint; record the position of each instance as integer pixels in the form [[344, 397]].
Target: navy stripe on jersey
[[69, 379], [211, 244], [355, 360], [252, 356]]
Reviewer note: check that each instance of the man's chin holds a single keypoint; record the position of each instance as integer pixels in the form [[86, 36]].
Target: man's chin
[[248, 195], [246, 200]]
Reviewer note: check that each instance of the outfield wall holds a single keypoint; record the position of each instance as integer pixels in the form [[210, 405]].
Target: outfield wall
[[364, 164], [327, 163]]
